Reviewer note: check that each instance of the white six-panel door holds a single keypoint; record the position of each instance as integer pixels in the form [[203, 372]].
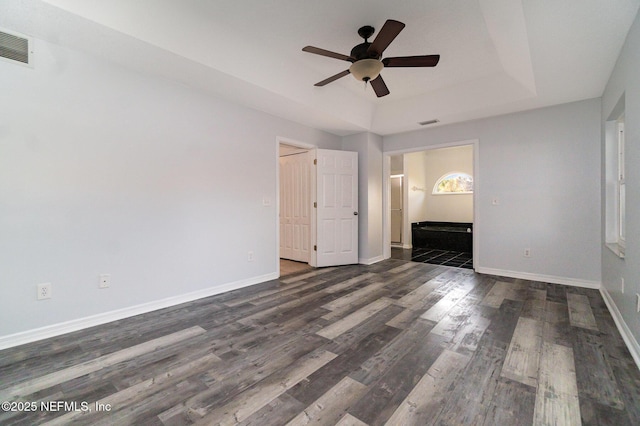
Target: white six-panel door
[[295, 206], [337, 207]]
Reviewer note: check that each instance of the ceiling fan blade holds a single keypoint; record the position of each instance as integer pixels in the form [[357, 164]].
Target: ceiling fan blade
[[386, 35], [328, 53], [412, 61], [332, 78], [379, 86]]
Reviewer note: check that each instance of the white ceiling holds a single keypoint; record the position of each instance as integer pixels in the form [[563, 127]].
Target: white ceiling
[[497, 56]]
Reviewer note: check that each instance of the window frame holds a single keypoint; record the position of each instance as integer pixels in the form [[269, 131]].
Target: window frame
[[615, 180], [435, 191], [621, 183]]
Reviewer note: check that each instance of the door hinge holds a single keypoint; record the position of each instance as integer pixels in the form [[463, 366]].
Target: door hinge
[[315, 161], [315, 204], [315, 248]]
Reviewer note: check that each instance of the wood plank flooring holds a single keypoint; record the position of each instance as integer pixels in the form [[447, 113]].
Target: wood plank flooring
[[395, 343], [288, 267]]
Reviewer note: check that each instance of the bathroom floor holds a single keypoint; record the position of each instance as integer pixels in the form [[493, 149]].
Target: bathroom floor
[[435, 257]]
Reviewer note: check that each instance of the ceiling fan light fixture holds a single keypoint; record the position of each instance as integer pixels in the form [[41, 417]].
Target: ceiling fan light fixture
[[365, 58], [366, 69]]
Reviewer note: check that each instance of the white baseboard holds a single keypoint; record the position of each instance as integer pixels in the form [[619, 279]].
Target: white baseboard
[[29, 336], [402, 246], [371, 261], [539, 277], [627, 336]]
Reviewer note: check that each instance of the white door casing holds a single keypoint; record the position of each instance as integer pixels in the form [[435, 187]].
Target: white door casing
[[295, 206], [396, 209], [337, 207]]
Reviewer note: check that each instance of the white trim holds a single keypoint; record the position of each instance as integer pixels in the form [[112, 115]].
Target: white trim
[[477, 223], [627, 336], [371, 260], [596, 285], [386, 206], [616, 248], [29, 336], [401, 246]]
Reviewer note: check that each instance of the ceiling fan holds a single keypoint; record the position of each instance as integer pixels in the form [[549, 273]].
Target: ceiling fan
[[365, 57]]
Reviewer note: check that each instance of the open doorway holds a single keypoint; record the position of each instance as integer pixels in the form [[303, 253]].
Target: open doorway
[[295, 204], [397, 200], [396, 209], [438, 222], [317, 197]]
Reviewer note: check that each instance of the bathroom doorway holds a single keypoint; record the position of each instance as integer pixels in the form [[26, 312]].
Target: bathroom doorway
[[396, 210]]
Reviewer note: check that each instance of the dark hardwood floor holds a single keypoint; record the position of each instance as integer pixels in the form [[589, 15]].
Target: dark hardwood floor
[[395, 343]]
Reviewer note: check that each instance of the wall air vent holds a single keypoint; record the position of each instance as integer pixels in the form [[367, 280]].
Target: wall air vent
[[15, 47], [426, 123]]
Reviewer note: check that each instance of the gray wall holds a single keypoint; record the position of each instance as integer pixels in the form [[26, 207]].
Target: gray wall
[[543, 166], [369, 149], [104, 170], [624, 81]]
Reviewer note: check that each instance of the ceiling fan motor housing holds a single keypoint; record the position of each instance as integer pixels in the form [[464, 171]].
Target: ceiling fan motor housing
[[361, 52], [366, 64]]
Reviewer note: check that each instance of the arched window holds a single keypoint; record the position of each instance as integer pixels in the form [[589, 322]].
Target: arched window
[[454, 183]]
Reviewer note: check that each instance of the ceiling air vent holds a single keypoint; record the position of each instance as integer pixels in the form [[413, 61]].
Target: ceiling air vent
[[15, 47], [426, 123]]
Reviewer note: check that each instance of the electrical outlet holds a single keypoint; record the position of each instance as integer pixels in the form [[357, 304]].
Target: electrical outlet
[[105, 281], [527, 252], [637, 302], [44, 291], [250, 256], [622, 285]]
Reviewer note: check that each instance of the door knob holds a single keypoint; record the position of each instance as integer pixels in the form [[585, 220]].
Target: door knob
[[355, 213]]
